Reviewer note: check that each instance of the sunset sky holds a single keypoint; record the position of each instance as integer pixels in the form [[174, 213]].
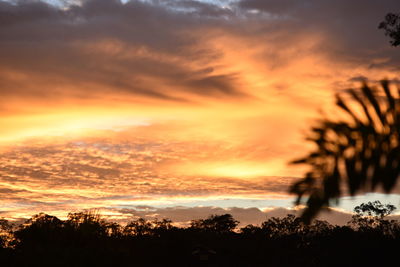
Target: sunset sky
[[175, 108]]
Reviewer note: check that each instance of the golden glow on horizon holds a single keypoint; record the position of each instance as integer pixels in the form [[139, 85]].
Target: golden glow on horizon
[[231, 168]]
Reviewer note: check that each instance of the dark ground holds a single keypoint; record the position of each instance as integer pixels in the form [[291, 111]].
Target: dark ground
[[87, 240]]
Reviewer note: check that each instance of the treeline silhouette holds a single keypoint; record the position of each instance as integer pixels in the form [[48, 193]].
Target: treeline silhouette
[[86, 239]]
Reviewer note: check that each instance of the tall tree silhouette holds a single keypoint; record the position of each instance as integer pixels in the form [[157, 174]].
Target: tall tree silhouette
[[391, 25], [361, 152]]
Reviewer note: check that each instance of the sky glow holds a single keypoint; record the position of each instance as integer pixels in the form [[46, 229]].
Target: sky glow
[[115, 105]]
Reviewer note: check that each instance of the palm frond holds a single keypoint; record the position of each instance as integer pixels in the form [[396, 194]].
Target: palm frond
[[360, 153]]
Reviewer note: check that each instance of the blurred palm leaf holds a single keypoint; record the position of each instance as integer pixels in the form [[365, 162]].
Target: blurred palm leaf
[[359, 153]]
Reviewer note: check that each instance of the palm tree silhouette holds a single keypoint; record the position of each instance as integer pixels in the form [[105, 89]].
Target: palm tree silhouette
[[361, 152]]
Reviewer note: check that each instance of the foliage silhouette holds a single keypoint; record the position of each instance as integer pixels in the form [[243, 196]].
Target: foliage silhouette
[[375, 209], [372, 215], [85, 239], [142, 227], [5, 233], [283, 226], [391, 25], [216, 223], [139, 227], [88, 223], [361, 151]]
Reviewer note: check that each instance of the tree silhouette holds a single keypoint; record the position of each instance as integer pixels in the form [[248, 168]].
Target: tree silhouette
[[283, 226], [86, 239], [391, 25], [39, 233], [5, 233], [372, 215], [376, 209], [360, 152], [88, 223], [139, 227], [216, 223]]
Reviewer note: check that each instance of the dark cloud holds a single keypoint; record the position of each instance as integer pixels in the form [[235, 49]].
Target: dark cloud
[[360, 78], [107, 46], [184, 215], [154, 49], [245, 216], [332, 216], [214, 85], [200, 9], [350, 28]]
